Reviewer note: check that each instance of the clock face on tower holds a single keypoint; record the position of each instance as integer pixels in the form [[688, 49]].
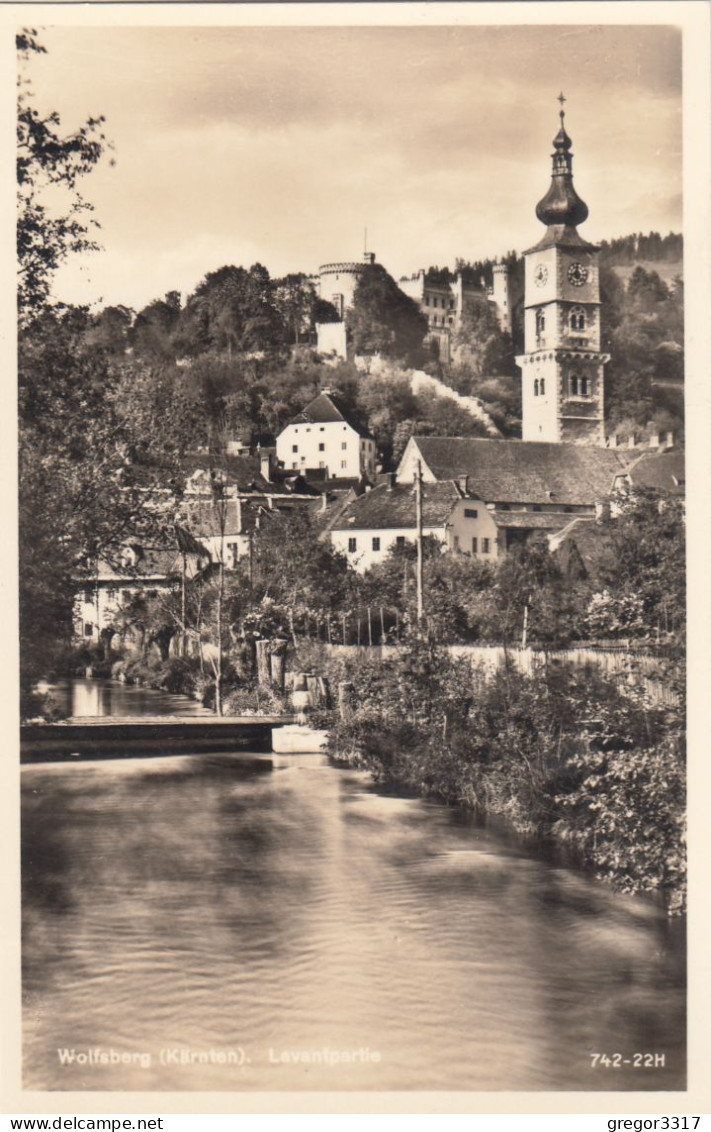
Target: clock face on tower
[[541, 274], [577, 274]]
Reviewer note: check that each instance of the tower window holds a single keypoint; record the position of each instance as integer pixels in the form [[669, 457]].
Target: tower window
[[584, 387], [577, 318], [574, 385], [540, 322], [535, 388], [543, 385]]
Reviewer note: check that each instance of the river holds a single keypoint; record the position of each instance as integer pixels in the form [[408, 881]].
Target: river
[[217, 922]]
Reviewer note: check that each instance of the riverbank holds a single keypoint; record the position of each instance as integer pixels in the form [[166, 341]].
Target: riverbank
[[570, 757]]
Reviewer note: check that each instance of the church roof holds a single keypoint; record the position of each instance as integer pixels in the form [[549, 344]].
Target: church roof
[[517, 471]]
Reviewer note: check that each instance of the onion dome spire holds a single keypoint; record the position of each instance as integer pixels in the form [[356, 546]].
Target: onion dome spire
[[561, 204]]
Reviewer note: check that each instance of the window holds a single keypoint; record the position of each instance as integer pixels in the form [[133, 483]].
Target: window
[[294, 448], [303, 459], [344, 463], [125, 596], [322, 447], [543, 386], [535, 388], [88, 629], [456, 542], [485, 546], [111, 595], [352, 545], [584, 387], [474, 546], [376, 544], [451, 304], [322, 464], [232, 554], [88, 595], [295, 464], [574, 385], [399, 540], [470, 513], [540, 322], [344, 445], [577, 318]]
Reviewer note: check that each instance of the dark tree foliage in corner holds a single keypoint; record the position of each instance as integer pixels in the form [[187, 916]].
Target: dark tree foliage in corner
[[383, 319], [79, 493], [47, 157]]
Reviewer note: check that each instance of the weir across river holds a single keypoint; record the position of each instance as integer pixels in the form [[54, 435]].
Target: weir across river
[[125, 736]]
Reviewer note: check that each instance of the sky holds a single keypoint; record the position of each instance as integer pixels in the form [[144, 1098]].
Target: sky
[[280, 145]]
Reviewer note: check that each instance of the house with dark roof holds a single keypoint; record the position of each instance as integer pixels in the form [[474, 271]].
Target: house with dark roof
[[526, 487], [368, 527], [324, 436]]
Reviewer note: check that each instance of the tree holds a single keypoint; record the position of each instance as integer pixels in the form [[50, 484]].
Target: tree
[[47, 159], [479, 346], [383, 319], [232, 310]]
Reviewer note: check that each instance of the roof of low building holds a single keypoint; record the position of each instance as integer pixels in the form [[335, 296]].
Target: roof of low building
[[584, 549], [393, 508], [518, 471], [660, 471]]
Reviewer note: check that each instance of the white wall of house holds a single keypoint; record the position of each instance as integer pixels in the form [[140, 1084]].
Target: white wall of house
[[366, 548], [97, 603], [469, 529], [407, 467], [335, 446], [472, 531]]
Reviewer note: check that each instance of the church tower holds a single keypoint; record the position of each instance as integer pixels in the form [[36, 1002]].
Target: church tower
[[562, 368]]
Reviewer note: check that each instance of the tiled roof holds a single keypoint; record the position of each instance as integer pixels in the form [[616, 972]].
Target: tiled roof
[[529, 520], [585, 549], [242, 471], [386, 508], [153, 562], [326, 409], [517, 471], [662, 471]]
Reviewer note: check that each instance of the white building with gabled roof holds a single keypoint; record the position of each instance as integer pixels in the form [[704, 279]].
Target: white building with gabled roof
[[324, 436]]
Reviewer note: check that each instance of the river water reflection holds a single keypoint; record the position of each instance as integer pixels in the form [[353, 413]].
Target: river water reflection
[[219, 903]]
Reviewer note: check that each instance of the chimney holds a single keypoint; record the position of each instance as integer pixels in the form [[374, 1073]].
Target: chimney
[[265, 466], [670, 440], [632, 440], [463, 484], [654, 439], [369, 257]]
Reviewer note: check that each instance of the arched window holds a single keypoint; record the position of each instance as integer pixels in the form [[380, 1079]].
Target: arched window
[[540, 322], [574, 385], [584, 387], [577, 318], [543, 385], [535, 388]]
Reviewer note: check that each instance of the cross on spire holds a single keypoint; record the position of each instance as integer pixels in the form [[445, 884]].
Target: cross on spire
[[561, 100]]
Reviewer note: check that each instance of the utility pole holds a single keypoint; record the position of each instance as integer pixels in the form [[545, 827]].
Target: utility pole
[[418, 539]]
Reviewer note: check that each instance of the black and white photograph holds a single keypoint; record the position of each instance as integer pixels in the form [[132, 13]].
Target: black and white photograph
[[352, 544]]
